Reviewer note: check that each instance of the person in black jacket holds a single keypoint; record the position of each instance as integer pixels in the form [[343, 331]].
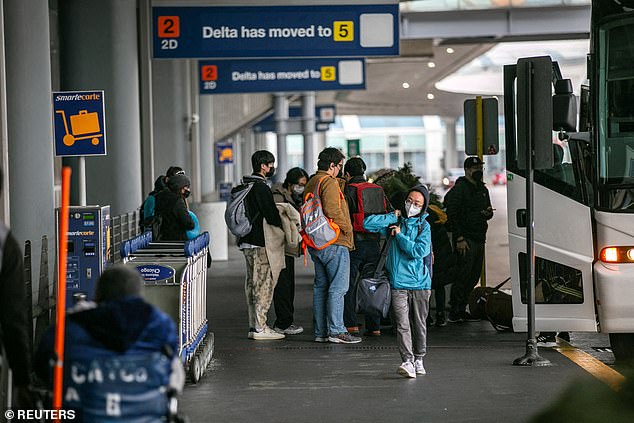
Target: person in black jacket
[[259, 281], [171, 206], [469, 208], [14, 333], [367, 250]]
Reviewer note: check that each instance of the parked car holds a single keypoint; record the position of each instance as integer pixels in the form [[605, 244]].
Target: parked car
[[452, 176], [499, 178]]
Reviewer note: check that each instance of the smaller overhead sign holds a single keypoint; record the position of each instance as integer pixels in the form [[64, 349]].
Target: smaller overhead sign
[[79, 123], [224, 153], [252, 76], [324, 116]]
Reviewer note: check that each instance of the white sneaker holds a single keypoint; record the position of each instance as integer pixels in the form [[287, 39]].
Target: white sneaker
[[267, 334], [291, 330], [407, 370], [420, 369]]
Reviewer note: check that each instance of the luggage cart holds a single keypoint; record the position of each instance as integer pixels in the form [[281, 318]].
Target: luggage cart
[[83, 125], [175, 275]]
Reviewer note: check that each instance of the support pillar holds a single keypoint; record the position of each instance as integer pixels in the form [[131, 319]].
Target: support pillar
[[308, 128], [29, 125], [451, 148], [281, 129], [105, 56], [207, 156]]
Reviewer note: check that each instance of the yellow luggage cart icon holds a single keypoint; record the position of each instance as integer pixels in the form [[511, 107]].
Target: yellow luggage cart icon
[[83, 126]]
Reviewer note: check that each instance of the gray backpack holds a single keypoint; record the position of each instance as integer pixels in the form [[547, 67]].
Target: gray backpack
[[236, 215]]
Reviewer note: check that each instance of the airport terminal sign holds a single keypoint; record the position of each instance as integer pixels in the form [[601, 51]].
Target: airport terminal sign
[[276, 31], [251, 76], [79, 124]]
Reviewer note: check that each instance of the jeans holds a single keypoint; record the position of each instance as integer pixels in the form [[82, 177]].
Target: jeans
[[332, 275], [469, 270], [366, 252]]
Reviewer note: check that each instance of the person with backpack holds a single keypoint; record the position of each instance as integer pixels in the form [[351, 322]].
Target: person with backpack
[[172, 217], [468, 209], [258, 205], [290, 192], [325, 204], [146, 218], [364, 199], [409, 269]]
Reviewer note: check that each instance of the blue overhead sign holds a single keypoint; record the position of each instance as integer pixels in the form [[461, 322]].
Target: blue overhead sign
[[79, 123], [252, 76], [324, 116], [276, 31]]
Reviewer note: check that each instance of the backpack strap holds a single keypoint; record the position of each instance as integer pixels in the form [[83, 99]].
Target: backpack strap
[[384, 251]]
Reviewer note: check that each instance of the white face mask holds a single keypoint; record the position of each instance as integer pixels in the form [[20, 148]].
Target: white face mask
[[298, 189], [411, 209]]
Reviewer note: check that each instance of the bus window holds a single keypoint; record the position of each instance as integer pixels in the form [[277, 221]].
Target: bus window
[[616, 117], [555, 283], [560, 177]]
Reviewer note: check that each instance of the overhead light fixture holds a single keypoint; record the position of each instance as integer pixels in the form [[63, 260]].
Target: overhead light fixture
[[449, 50], [405, 85], [430, 96], [431, 64]]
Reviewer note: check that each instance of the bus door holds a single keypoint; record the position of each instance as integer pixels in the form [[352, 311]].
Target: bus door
[[564, 250]]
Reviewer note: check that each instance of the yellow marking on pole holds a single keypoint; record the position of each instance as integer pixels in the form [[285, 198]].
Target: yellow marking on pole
[[604, 373]]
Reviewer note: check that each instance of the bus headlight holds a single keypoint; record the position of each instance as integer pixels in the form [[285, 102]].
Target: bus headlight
[[617, 255]]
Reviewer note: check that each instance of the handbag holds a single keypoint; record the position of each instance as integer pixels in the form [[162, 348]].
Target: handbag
[[373, 293]]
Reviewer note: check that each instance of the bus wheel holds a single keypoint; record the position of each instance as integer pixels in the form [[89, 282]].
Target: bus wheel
[[622, 346]]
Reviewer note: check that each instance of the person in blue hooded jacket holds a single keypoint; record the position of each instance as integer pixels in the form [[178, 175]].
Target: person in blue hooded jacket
[[408, 267]]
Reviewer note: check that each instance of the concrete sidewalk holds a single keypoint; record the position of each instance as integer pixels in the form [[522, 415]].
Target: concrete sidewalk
[[470, 377]]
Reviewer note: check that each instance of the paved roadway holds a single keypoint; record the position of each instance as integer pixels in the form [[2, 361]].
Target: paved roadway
[[470, 377]]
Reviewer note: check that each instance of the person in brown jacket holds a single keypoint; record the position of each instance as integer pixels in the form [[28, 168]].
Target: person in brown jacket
[[332, 263]]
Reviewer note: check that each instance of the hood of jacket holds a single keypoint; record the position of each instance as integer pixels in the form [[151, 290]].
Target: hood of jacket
[[116, 324], [425, 192]]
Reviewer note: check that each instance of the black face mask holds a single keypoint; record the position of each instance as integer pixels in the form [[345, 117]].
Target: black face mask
[[271, 172], [477, 175], [186, 194]]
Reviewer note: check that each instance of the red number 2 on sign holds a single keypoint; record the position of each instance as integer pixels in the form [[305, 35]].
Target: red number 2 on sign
[[169, 27]]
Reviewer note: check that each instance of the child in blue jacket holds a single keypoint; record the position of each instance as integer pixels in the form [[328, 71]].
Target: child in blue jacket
[[408, 267]]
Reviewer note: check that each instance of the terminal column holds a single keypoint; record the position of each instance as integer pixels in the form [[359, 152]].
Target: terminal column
[[308, 122], [281, 128], [29, 125], [451, 148], [98, 50], [207, 154]]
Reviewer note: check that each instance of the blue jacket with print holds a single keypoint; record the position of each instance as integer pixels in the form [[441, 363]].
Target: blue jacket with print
[[406, 260]]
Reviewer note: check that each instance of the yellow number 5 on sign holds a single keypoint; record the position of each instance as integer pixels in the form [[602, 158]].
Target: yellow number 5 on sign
[[344, 30], [328, 73]]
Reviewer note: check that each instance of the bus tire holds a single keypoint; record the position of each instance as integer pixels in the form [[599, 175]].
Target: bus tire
[[622, 346]]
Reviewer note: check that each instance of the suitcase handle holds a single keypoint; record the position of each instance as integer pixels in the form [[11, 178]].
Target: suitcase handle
[[83, 112]]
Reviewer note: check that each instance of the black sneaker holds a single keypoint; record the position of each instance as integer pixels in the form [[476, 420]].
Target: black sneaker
[[440, 320], [454, 317], [467, 317], [546, 339]]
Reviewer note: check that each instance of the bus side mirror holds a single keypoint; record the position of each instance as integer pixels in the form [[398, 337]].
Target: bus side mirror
[[564, 107]]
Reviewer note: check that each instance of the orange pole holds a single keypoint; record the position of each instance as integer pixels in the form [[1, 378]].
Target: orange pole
[[61, 291]]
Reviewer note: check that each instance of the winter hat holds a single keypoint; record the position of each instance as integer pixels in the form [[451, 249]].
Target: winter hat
[[176, 182]]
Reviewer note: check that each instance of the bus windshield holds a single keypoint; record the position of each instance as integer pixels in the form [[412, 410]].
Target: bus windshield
[[616, 116]]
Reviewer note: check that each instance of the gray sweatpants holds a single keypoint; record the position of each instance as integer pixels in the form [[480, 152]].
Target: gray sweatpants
[[409, 313]]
